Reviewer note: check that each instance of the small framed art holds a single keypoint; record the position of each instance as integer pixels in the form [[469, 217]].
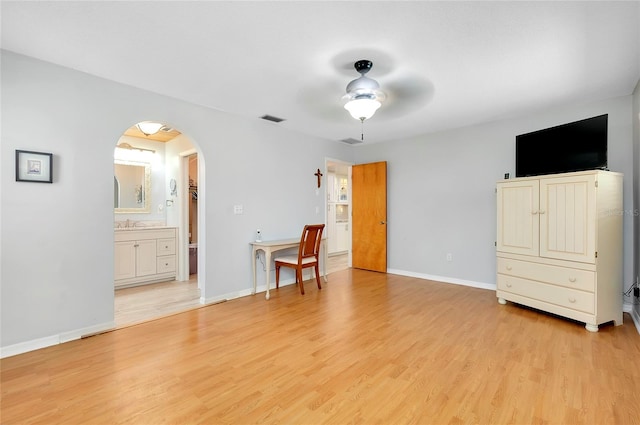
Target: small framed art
[[34, 167]]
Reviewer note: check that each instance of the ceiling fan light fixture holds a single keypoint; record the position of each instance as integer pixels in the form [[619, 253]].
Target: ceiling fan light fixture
[[363, 94], [148, 127], [362, 108]]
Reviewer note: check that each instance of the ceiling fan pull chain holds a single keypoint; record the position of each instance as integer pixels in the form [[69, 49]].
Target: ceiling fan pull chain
[[362, 129]]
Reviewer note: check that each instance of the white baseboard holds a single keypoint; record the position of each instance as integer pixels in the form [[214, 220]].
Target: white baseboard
[[36, 344], [635, 315], [246, 292], [455, 281]]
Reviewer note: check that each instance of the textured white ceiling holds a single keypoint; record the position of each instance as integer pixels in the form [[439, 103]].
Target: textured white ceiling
[[442, 64]]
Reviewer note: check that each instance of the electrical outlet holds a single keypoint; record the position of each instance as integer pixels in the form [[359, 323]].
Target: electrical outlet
[[449, 257]]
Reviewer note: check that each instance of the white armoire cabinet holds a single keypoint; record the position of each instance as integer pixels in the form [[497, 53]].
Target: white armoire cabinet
[[559, 245]]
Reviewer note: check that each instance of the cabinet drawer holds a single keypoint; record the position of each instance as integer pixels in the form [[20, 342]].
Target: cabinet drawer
[[166, 264], [166, 246], [564, 297], [583, 280]]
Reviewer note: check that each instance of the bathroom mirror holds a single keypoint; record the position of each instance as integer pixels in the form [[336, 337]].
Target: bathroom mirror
[[132, 187]]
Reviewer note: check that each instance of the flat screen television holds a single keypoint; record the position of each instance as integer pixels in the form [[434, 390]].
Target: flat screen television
[[576, 146]]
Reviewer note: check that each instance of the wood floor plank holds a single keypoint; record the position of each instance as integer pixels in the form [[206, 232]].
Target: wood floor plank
[[369, 348]]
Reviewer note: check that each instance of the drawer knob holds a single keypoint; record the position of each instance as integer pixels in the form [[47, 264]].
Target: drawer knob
[[508, 267], [508, 285], [572, 279], [572, 300]]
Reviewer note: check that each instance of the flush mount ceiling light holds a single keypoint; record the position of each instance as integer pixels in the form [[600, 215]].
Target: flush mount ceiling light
[[364, 96], [149, 127]]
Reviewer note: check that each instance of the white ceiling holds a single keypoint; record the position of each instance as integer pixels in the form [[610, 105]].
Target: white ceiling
[[442, 64]]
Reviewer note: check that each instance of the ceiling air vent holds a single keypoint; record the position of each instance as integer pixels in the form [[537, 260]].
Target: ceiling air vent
[[272, 118], [351, 141]]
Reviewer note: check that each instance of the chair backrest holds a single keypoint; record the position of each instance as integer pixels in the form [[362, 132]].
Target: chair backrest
[[310, 241]]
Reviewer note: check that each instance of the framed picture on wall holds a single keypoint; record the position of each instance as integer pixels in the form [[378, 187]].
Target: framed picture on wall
[[34, 167]]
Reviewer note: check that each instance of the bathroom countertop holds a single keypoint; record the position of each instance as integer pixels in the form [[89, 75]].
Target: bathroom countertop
[[125, 229]]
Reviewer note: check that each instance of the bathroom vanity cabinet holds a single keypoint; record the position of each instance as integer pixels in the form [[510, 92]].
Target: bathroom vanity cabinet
[[144, 256]]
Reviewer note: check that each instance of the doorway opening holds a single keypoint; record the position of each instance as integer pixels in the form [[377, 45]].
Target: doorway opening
[[166, 231], [192, 200], [338, 214]]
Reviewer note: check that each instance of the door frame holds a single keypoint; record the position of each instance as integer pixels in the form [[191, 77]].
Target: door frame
[[183, 215], [341, 163]]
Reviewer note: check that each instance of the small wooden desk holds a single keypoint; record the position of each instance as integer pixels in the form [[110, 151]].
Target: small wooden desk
[[269, 247]]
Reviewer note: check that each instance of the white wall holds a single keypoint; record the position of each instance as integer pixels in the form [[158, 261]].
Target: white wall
[[636, 203], [57, 239], [441, 191]]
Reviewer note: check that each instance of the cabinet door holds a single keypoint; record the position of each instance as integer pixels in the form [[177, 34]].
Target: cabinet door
[[331, 187], [125, 260], [342, 237], [568, 218], [342, 188], [517, 214], [146, 257]]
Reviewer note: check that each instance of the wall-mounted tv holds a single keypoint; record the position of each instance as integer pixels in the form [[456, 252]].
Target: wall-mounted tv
[[576, 146]]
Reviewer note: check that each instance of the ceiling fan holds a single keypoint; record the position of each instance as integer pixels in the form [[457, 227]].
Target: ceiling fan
[[364, 96], [402, 92]]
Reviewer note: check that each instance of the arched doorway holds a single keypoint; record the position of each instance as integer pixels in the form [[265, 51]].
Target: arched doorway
[[155, 238]]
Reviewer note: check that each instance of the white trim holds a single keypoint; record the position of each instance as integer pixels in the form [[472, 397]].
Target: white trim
[[635, 316], [445, 279], [260, 289], [48, 341]]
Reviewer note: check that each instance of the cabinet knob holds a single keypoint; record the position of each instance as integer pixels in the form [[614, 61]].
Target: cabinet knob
[[572, 300], [508, 267], [508, 285], [572, 279]]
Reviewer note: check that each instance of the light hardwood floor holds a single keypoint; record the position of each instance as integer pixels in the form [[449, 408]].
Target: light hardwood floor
[[148, 302], [369, 348]]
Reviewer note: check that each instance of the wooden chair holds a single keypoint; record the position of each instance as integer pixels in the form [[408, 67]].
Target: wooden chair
[[308, 253]]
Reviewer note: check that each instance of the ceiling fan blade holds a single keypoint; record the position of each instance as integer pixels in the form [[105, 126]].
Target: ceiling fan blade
[[406, 96]]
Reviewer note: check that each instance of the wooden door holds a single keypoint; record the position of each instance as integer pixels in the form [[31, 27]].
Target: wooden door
[[517, 214], [369, 216], [568, 218]]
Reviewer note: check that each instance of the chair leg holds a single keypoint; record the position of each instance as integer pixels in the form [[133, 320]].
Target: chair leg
[[277, 277], [318, 276], [299, 279]]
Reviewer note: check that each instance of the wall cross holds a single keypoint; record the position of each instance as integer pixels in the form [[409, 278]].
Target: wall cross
[[318, 174]]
